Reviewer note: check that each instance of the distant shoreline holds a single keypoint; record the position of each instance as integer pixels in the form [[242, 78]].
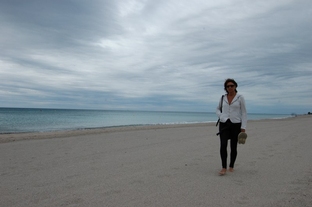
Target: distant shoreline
[[25, 120], [11, 137]]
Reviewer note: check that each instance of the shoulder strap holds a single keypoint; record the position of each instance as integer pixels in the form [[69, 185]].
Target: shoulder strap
[[221, 103]]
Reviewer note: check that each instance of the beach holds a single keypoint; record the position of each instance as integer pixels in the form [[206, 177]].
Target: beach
[[161, 165]]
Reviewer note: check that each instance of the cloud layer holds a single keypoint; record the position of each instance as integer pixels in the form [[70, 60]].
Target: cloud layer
[[156, 55]]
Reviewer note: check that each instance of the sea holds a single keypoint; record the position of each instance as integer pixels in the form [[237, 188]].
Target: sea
[[21, 120]]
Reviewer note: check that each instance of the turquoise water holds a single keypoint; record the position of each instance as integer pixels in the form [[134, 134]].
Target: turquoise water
[[17, 120]]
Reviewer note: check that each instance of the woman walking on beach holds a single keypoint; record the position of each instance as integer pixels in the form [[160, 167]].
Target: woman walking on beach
[[233, 120]]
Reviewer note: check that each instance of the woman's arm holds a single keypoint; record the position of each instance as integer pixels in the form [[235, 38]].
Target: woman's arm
[[219, 107], [243, 113]]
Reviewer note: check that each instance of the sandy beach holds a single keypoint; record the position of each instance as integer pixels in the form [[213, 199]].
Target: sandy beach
[[172, 165]]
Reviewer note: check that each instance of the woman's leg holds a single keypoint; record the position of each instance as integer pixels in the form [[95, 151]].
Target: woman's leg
[[235, 130], [223, 143]]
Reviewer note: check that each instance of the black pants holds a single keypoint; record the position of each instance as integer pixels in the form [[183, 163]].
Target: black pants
[[229, 130]]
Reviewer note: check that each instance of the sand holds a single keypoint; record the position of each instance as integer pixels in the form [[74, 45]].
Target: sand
[[158, 166]]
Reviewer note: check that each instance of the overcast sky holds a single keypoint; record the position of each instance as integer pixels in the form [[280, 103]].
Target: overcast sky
[[156, 54]]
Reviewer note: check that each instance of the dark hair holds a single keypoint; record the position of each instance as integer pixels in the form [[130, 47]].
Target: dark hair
[[229, 80]]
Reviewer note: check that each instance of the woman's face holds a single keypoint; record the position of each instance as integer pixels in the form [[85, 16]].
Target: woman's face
[[230, 87]]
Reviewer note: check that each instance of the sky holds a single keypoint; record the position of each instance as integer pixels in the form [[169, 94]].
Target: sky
[[164, 55]]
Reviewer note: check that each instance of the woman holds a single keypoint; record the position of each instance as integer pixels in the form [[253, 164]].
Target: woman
[[233, 120]]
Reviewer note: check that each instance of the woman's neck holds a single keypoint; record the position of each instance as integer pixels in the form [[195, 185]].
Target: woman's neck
[[232, 94]]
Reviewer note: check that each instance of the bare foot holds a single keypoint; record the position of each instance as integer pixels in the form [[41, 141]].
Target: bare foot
[[223, 171], [231, 169]]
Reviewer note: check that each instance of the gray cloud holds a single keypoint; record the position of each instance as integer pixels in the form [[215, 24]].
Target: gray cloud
[[155, 55]]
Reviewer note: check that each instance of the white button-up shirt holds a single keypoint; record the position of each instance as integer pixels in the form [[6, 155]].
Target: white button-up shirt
[[236, 111]]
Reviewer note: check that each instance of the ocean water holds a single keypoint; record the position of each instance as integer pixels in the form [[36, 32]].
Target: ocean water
[[19, 120]]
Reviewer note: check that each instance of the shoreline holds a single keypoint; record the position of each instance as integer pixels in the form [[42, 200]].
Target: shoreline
[[12, 137], [23, 120]]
